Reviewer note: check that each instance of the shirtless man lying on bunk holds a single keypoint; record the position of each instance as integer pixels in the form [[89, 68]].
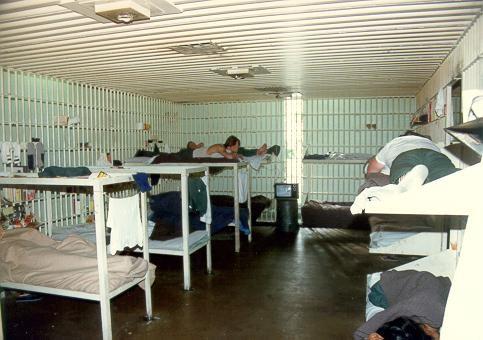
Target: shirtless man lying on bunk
[[230, 149]]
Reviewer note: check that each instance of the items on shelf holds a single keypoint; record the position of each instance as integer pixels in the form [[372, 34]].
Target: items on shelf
[[12, 195], [61, 120], [16, 215]]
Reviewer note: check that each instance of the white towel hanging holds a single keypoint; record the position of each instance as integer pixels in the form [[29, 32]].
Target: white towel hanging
[[124, 219]]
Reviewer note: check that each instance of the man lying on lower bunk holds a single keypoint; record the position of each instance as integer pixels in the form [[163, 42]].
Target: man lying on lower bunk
[[416, 295]]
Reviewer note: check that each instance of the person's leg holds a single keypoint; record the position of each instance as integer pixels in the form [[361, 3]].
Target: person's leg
[[274, 149], [262, 150], [247, 152], [438, 164], [414, 178]]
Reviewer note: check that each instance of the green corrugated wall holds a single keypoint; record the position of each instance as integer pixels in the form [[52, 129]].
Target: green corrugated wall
[[324, 125], [30, 104]]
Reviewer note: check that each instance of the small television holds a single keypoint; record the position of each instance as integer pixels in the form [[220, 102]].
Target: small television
[[286, 190]]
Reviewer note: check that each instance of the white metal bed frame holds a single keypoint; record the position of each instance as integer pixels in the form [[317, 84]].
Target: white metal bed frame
[[235, 166], [460, 193], [421, 244], [104, 295], [184, 171]]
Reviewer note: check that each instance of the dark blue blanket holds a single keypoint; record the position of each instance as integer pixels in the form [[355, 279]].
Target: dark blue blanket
[[167, 207]]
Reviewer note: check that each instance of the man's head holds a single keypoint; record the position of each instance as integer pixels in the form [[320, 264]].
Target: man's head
[[232, 144], [404, 328]]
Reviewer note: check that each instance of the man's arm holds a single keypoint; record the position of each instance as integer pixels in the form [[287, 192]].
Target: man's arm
[[373, 166], [219, 148]]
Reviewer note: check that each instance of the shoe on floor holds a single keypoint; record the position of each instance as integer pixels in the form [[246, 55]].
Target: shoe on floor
[[28, 297]]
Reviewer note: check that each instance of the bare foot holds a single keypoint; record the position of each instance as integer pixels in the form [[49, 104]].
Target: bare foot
[[262, 150]]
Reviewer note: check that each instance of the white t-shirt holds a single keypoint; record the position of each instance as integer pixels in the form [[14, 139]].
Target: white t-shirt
[[399, 145]]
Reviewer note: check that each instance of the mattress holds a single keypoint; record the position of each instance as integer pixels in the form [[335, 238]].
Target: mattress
[[317, 214], [195, 240], [88, 232], [30, 257]]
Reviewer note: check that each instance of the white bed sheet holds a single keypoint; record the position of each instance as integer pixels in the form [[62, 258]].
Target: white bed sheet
[[196, 238], [386, 238], [86, 231]]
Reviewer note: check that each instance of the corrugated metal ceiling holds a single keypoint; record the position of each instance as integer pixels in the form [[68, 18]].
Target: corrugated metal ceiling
[[320, 48]]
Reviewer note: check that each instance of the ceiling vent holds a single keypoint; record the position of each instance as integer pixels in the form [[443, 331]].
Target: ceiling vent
[[199, 49], [278, 92], [241, 72], [273, 89], [121, 11], [280, 95]]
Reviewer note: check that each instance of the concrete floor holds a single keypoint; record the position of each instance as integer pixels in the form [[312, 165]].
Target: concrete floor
[[308, 286]]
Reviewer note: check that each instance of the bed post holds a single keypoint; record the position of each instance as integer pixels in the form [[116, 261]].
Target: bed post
[[147, 280], [236, 207], [100, 221], [185, 230], [2, 314], [209, 265], [48, 200], [249, 202]]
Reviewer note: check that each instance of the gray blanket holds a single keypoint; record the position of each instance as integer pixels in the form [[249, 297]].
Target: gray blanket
[[420, 296]]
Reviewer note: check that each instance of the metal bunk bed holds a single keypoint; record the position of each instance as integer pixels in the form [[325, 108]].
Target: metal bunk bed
[[189, 242], [97, 185], [459, 194], [234, 166]]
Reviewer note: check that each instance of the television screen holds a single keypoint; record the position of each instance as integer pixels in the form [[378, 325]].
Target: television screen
[[285, 190]]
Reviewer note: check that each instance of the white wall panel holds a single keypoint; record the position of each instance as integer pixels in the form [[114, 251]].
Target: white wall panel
[[472, 84], [457, 64]]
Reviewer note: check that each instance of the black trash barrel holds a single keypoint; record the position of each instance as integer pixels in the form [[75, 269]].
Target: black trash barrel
[[287, 208]]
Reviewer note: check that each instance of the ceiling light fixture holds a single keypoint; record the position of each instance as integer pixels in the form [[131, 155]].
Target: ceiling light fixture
[[123, 11], [199, 49], [120, 11], [241, 72], [125, 18]]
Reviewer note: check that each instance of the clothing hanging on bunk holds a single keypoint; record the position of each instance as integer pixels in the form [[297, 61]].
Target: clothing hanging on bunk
[[35, 155], [124, 219], [10, 153], [242, 186], [6, 152], [206, 217]]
